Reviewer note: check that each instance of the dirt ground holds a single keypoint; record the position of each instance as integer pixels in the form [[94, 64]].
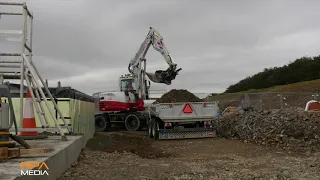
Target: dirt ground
[[124, 155]]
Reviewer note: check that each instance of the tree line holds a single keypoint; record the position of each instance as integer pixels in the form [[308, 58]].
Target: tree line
[[302, 69]]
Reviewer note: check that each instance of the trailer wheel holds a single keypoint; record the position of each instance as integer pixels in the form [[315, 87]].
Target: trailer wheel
[[155, 131], [132, 122], [100, 123], [150, 128]]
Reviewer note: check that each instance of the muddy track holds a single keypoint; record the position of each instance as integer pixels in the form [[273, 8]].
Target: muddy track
[[124, 155], [121, 142]]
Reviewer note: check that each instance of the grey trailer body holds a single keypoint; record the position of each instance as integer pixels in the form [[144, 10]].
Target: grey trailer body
[[182, 120]]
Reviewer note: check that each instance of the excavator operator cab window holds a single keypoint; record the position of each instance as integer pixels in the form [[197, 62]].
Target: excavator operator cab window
[[128, 84]]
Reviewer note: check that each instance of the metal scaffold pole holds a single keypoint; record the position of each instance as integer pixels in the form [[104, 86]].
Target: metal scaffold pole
[[24, 70]]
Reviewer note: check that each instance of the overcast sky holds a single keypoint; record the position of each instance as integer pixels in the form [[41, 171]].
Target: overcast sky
[[87, 44]]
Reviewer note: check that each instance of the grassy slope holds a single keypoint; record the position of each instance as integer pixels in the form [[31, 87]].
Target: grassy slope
[[303, 90], [305, 86]]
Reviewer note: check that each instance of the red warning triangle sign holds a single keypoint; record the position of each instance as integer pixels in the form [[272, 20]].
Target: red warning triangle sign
[[187, 109]]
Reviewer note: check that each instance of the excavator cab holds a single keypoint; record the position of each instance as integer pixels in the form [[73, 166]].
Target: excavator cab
[[127, 83]]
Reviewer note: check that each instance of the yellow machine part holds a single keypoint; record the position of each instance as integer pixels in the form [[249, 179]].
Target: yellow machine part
[[4, 139], [4, 133]]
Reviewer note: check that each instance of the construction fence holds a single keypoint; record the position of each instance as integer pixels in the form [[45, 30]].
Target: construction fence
[[77, 108], [265, 100]]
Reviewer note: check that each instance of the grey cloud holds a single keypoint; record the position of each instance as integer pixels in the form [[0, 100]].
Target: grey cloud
[[217, 43]]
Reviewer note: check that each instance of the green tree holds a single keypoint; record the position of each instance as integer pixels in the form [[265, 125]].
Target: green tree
[[302, 69]]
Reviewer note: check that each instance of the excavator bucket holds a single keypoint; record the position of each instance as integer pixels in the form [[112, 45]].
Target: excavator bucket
[[161, 76]]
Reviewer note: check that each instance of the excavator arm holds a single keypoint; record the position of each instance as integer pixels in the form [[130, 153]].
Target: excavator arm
[[160, 76]]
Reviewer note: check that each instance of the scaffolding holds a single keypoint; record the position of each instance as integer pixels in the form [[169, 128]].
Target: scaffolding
[[23, 69]]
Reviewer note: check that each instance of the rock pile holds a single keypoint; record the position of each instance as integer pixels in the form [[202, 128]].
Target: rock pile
[[178, 95], [287, 128]]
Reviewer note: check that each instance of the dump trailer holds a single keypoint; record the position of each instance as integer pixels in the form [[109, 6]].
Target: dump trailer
[[182, 120]]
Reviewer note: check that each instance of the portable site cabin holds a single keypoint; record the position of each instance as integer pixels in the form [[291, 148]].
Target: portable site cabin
[[313, 106], [78, 109]]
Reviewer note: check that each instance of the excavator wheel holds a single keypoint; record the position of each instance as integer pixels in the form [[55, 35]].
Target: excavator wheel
[[132, 122], [100, 123], [155, 131], [150, 126]]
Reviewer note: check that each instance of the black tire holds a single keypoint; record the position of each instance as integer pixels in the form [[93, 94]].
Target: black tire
[[150, 126], [132, 122], [155, 131], [100, 123]]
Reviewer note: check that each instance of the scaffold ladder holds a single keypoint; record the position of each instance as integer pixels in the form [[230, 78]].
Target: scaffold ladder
[[26, 71]]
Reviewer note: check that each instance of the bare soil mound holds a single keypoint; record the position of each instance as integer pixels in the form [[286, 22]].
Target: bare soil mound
[[178, 95], [117, 142], [287, 128]]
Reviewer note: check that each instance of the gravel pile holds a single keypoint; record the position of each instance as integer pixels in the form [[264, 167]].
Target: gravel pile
[[287, 128], [178, 95]]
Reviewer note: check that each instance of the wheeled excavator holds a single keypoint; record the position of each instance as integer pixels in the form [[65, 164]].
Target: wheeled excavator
[[126, 105]]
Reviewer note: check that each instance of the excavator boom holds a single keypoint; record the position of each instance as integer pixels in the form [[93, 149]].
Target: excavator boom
[[160, 76]]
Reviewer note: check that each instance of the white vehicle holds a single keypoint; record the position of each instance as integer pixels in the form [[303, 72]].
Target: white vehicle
[[126, 105]]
